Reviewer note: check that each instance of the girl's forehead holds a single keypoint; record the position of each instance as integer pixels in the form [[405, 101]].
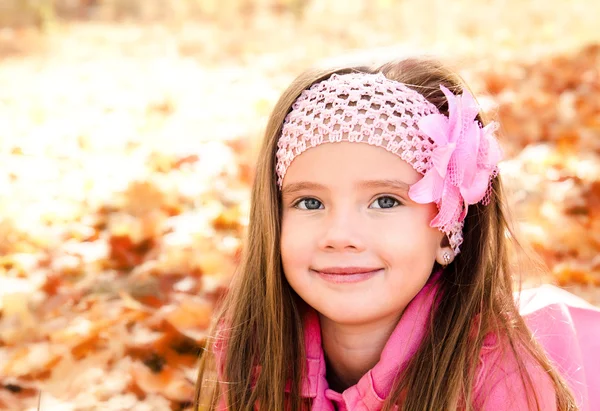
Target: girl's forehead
[[345, 162]]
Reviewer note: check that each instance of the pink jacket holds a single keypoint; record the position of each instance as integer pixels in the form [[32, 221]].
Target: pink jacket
[[569, 330], [567, 327]]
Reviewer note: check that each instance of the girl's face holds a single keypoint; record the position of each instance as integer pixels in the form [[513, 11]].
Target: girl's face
[[345, 210]]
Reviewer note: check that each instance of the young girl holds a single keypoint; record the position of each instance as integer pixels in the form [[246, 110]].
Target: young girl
[[375, 274]]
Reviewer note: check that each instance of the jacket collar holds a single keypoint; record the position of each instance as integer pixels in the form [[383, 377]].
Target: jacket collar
[[373, 388]]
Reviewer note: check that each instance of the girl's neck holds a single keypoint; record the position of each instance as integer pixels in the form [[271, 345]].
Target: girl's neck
[[352, 350]]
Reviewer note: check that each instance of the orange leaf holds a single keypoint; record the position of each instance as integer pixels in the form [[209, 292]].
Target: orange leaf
[[190, 315], [33, 360], [167, 381]]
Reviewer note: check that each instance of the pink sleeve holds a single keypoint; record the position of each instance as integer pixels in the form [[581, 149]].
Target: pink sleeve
[[509, 393], [569, 330], [499, 386]]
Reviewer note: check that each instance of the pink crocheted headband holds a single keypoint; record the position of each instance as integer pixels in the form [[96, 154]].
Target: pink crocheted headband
[[456, 155]]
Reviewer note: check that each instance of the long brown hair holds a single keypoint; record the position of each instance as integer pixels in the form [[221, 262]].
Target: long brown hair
[[263, 315]]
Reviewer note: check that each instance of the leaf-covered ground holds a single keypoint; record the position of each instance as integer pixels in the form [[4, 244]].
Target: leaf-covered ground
[[127, 153]]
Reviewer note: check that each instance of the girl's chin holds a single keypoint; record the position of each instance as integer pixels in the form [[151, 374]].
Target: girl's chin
[[351, 316]]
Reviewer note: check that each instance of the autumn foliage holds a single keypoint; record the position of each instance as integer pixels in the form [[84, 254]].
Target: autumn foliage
[[125, 189]]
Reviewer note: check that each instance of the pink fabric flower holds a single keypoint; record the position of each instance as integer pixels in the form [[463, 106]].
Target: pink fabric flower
[[463, 162]]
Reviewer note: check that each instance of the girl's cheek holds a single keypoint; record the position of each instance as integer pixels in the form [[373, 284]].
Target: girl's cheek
[[411, 229], [298, 221], [296, 231]]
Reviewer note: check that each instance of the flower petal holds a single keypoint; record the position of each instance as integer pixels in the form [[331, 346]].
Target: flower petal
[[462, 112], [428, 189], [473, 193], [454, 115], [449, 208], [435, 126], [441, 157], [495, 153], [469, 106], [466, 155]]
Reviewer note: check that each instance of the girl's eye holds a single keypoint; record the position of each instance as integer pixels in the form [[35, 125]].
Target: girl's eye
[[385, 202], [308, 204]]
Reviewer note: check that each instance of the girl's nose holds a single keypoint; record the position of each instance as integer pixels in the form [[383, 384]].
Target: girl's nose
[[342, 232]]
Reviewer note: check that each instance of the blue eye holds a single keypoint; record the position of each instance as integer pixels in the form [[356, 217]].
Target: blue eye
[[386, 202], [309, 204]]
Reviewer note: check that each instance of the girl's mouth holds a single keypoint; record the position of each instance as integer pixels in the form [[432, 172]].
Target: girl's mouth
[[347, 274]]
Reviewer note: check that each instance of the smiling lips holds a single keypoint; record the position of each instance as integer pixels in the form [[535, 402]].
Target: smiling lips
[[347, 274], [346, 270]]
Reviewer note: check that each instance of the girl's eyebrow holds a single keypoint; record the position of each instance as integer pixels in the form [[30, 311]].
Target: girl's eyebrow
[[385, 183], [300, 186], [307, 185]]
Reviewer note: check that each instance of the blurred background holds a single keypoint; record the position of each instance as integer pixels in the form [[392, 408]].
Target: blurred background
[[128, 136]]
